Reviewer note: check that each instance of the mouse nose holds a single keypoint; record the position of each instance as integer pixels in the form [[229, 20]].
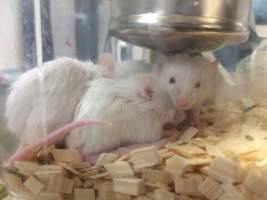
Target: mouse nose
[[182, 102]]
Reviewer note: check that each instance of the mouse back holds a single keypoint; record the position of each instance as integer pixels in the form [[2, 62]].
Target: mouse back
[[129, 68], [45, 98], [133, 118]]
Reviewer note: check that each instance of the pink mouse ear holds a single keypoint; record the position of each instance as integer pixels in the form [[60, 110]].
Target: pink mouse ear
[[107, 63], [145, 86]]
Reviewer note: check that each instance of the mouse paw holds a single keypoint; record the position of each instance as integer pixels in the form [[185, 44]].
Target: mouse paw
[[146, 94], [145, 86]]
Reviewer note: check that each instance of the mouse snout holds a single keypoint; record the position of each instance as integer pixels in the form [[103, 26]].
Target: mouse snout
[[182, 103]]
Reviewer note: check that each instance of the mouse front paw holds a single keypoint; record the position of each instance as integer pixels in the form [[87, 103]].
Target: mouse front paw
[[146, 94]]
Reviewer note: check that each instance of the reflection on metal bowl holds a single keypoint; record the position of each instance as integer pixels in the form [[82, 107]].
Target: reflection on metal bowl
[[181, 25]]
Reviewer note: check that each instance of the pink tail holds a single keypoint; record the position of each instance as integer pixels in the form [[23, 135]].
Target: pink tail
[[52, 139]]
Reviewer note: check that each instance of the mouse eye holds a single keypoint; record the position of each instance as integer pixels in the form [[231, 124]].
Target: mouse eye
[[198, 85], [172, 80]]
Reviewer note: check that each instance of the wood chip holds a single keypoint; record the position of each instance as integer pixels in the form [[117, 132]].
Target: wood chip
[[131, 186], [12, 181], [70, 169], [46, 176], [92, 182], [61, 184], [84, 194], [120, 196], [26, 166], [143, 158], [165, 154], [188, 186], [89, 174], [176, 165], [142, 197], [232, 192], [211, 189], [67, 155], [34, 185], [163, 194], [106, 158], [81, 165], [158, 185], [213, 150], [101, 175], [199, 161], [255, 183], [156, 176], [183, 197], [105, 191], [188, 151], [216, 176], [77, 182], [213, 139], [228, 168], [49, 196], [120, 169], [247, 103], [49, 167]]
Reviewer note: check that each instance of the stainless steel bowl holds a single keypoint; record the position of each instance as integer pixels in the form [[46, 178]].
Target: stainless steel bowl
[[181, 25]]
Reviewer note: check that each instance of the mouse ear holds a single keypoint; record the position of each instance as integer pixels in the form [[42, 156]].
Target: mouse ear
[[106, 62], [145, 86]]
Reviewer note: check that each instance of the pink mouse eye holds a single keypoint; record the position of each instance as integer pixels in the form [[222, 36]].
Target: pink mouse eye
[[172, 80], [198, 85]]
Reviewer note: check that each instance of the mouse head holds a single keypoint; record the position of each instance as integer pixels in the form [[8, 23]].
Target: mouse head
[[188, 81], [155, 98]]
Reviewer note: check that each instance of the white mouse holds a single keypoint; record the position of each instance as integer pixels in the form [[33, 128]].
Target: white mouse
[[125, 116], [35, 108], [190, 81], [134, 119]]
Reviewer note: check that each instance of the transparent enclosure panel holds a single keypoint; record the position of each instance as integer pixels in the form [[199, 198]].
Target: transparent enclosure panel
[[33, 32]]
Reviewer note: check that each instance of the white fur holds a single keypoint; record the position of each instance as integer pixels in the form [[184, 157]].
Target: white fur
[[130, 68], [34, 109], [134, 119]]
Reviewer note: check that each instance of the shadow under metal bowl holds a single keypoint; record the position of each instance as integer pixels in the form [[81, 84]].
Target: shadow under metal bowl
[[181, 25]]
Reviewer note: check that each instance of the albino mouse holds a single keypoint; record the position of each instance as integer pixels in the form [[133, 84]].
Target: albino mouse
[[35, 108], [190, 81], [134, 119]]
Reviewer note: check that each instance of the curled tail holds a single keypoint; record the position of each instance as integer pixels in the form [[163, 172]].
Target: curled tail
[[52, 138]]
